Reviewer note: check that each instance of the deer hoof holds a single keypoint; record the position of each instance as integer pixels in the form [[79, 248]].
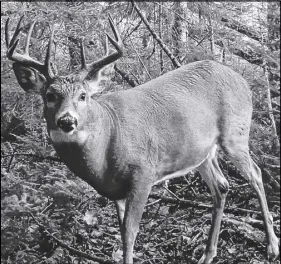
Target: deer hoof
[[206, 259], [273, 249]]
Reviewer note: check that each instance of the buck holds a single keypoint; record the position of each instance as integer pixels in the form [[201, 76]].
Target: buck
[[122, 143]]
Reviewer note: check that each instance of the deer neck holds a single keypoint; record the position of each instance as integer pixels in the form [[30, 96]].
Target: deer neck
[[85, 151]]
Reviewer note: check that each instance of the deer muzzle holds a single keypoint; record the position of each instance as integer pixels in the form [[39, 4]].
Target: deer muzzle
[[67, 122]]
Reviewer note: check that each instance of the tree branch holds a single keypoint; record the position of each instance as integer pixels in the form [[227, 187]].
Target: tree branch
[[243, 29], [174, 60], [202, 205], [125, 76]]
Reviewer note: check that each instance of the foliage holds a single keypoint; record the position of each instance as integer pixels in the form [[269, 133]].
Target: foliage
[[47, 213]]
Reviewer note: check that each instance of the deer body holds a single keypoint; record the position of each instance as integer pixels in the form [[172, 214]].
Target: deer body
[[122, 143], [157, 130]]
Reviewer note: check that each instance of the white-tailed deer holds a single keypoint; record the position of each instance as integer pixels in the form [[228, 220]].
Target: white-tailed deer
[[122, 143]]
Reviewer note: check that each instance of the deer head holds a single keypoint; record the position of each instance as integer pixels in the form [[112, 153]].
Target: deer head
[[65, 97]]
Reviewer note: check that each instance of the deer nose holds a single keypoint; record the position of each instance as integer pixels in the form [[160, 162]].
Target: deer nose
[[67, 123]]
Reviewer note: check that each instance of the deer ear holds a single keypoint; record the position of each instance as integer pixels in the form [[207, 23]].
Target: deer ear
[[98, 80], [29, 79], [107, 72]]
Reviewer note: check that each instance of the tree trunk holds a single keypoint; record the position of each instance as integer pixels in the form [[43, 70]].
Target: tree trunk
[[273, 36], [177, 29], [73, 41], [73, 52], [160, 35], [273, 26]]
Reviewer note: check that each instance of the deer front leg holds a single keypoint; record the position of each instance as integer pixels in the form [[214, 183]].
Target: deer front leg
[[134, 207], [120, 208]]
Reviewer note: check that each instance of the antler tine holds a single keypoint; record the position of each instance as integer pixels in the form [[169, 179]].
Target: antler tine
[[83, 58], [17, 31], [26, 49], [13, 55], [7, 35], [11, 45], [106, 46], [97, 65], [117, 45], [49, 72], [113, 27], [25, 59]]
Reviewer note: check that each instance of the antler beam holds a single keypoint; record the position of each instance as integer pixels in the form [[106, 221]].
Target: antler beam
[[25, 59], [118, 45]]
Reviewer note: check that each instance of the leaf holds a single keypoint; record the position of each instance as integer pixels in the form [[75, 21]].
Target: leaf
[[117, 255], [90, 218], [96, 234], [232, 250]]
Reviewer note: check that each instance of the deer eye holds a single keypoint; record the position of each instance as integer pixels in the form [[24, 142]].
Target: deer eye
[[82, 96], [50, 97]]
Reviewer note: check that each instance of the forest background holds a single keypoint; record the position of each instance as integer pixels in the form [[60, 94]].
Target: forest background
[[50, 216]]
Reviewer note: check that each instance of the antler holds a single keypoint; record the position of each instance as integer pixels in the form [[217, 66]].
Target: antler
[[25, 59], [97, 65]]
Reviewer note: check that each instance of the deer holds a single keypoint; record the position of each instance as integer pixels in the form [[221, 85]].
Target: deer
[[122, 143]]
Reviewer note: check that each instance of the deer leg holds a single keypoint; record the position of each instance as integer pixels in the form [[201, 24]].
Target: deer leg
[[135, 204], [120, 208], [212, 175], [239, 155]]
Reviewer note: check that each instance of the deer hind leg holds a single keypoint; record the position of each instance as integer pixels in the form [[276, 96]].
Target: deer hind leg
[[212, 175], [239, 155]]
